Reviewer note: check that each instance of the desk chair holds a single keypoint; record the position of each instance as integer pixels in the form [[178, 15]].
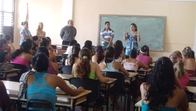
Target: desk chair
[[119, 85], [39, 105], [89, 84], [66, 70], [22, 68]]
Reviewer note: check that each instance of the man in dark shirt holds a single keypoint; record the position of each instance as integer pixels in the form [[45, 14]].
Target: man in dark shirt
[[68, 33]]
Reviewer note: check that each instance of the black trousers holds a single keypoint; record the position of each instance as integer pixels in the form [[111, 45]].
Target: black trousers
[[65, 42]]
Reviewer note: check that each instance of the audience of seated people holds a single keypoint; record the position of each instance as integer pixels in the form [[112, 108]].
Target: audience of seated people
[[4, 55], [189, 62], [23, 55], [74, 57], [99, 56], [131, 64], [162, 90], [119, 51], [144, 56], [53, 67]]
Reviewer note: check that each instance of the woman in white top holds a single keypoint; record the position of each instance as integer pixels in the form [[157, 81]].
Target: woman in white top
[[40, 33], [132, 64], [119, 54]]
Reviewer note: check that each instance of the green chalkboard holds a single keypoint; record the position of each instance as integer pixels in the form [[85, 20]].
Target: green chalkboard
[[152, 29]]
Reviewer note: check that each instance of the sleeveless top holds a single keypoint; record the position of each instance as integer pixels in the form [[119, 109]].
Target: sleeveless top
[[131, 66], [119, 59], [109, 67], [39, 89], [184, 80], [145, 107], [21, 61], [91, 75], [131, 43], [51, 69], [144, 59]]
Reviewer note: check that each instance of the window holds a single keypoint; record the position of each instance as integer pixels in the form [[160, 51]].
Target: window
[[6, 17]]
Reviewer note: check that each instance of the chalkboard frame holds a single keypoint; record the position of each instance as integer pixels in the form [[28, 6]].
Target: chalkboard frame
[[148, 16]]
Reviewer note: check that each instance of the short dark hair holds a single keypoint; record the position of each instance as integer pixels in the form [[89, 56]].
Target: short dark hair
[[2, 41], [43, 50], [133, 53], [72, 42], [107, 22], [7, 37], [44, 42], [23, 23], [34, 38], [40, 62]]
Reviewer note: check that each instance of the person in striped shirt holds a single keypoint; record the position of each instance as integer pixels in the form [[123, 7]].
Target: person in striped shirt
[[107, 35]]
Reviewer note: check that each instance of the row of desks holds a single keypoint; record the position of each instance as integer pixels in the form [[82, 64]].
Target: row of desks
[[62, 100]]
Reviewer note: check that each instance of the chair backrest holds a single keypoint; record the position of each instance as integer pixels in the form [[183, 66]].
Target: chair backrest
[[89, 84], [66, 69], [39, 105], [119, 84], [22, 68]]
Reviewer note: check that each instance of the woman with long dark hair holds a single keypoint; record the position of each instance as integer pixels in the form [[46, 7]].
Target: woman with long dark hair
[[73, 58], [161, 92], [119, 55], [23, 55], [99, 55]]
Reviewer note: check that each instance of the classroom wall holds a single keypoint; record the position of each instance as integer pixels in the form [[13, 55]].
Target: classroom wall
[[180, 21], [53, 13]]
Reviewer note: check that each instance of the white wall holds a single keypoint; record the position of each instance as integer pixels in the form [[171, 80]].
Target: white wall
[[53, 13]]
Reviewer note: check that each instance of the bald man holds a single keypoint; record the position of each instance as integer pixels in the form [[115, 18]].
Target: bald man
[[68, 33]]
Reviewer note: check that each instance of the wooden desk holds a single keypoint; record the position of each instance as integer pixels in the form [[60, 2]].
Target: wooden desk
[[9, 73], [62, 100], [132, 74], [192, 106], [65, 76], [193, 79], [191, 89]]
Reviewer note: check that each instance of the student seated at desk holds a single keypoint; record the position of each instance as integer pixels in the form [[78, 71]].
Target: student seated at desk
[[4, 56], [144, 56], [36, 43], [119, 55], [88, 45], [109, 65], [69, 48], [87, 69], [99, 55], [23, 55], [5, 101], [46, 43], [73, 58], [189, 62], [10, 48], [179, 70], [131, 64], [162, 90], [44, 83], [53, 67]]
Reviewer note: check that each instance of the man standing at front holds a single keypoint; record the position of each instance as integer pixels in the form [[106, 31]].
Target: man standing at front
[[68, 33], [107, 35]]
